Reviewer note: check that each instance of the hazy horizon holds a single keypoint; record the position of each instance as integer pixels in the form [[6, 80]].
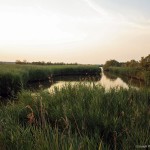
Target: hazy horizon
[[82, 31]]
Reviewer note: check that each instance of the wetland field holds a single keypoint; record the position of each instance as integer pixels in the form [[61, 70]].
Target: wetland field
[[71, 107]]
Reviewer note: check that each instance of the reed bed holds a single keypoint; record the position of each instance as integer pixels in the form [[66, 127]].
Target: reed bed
[[14, 77], [135, 73], [77, 117]]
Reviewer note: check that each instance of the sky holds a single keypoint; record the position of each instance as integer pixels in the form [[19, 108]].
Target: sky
[[82, 31]]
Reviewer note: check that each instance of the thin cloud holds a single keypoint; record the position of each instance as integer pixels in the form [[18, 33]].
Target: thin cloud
[[96, 8], [118, 17]]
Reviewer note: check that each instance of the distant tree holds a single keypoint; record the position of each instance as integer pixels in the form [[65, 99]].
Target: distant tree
[[111, 63], [132, 63], [49, 63], [145, 62], [24, 61], [18, 62], [43, 63]]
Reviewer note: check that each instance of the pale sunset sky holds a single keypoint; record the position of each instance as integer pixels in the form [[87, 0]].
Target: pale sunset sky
[[83, 31]]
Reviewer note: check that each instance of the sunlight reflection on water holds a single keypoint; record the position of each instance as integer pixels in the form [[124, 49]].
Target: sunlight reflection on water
[[111, 83], [106, 82]]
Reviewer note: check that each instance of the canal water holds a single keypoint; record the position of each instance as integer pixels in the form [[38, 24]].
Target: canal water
[[105, 79]]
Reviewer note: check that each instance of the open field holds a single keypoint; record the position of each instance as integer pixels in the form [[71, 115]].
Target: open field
[[77, 117], [13, 77]]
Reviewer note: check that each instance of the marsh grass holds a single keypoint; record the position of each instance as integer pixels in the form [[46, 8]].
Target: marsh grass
[[135, 73], [14, 78], [77, 117]]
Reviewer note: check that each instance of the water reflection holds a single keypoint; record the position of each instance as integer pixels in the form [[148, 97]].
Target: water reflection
[[60, 81], [72, 80], [61, 84], [105, 79], [110, 81], [110, 76], [128, 80], [134, 82]]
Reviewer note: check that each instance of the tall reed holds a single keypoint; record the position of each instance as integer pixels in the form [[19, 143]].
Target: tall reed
[[77, 117], [13, 78]]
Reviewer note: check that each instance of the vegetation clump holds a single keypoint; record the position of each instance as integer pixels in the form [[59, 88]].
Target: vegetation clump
[[77, 117], [134, 69], [13, 77]]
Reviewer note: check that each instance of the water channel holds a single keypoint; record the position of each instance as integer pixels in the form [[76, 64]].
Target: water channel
[[105, 79]]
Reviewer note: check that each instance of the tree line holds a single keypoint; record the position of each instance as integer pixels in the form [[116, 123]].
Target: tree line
[[24, 62], [143, 63]]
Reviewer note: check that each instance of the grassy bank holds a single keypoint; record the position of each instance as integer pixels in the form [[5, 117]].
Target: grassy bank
[[13, 78], [136, 73], [77, 117]]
